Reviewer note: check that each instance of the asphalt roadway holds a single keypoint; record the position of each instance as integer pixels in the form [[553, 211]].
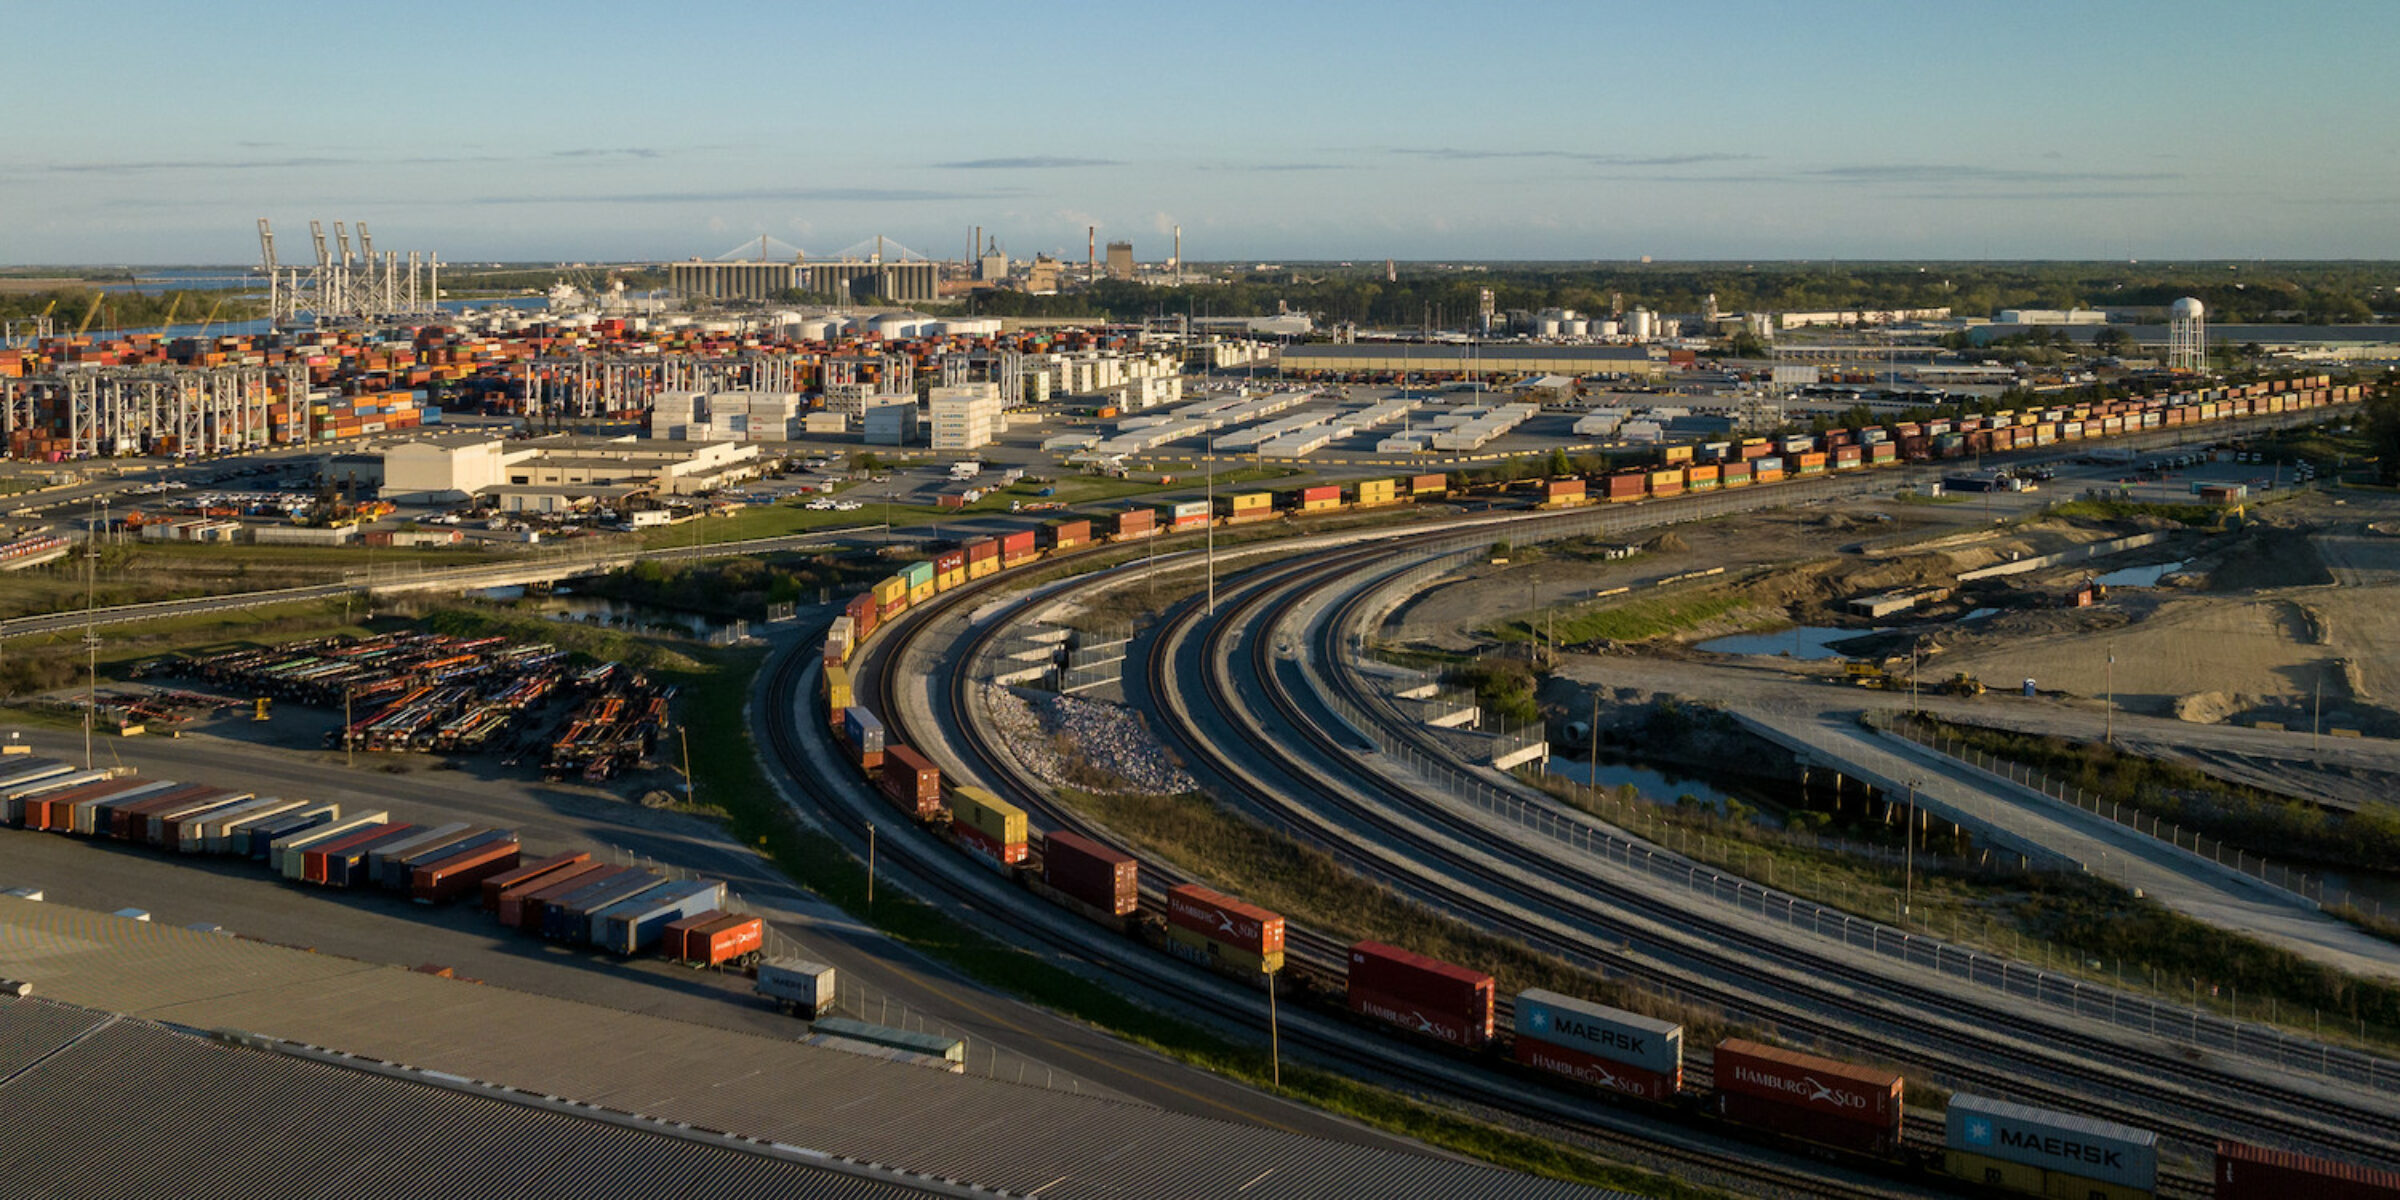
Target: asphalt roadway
[[885, 980], [1824, 719]]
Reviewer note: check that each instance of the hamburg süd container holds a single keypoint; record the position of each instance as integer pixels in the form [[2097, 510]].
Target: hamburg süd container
[[1224, 919], [1441, 1000], [2247, 1172], [1819, 1099]]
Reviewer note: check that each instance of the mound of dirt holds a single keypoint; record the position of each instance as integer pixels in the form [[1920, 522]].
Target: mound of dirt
[[2206, 708], [1666, 543]]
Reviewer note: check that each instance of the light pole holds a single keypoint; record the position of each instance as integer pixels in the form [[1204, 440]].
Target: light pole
[[2108, 736], [1908, 855]]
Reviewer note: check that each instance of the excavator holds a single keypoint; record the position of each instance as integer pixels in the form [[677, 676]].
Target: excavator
[[1867, 674]]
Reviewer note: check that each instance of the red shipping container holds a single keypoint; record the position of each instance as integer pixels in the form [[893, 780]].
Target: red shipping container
[[1808, 1124], [948, 561], [448, 878], [1594, 1071], [983, 548], [910, 781], [1822, 1087], [527, 873], [1104, 878], [1631, 485], [1319, 495], [2254, 1173], [1432, 997], [1245, 927], [122, 821], [1018, 546]]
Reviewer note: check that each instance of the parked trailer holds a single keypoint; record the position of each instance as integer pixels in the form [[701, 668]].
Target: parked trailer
[[798, 987], [52, 809], [947, 1049], [157, 826], [383, 862], [1817, 1099], [629, 927], [255, 839], [521, 906], [568, 918], [447, 879], [347, 867], [492, 888], [285, 854], [400, 870], [1607, 1048], [714, 939], [13, 796]]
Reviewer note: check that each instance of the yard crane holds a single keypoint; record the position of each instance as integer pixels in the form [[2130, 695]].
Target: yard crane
[[211, 318], [91, 312], [173, 306]]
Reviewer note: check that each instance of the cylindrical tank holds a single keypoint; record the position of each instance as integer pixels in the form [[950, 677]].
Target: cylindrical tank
[[1546, 326], [1641, 324], [1576, 327], [895, 325], [1606, 329]]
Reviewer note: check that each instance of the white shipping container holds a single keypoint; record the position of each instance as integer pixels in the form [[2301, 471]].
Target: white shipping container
[[798, 986]]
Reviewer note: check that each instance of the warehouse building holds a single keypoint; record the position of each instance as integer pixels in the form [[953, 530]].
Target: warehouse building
[[564, 472], [965, 417], [511, 1093], [851, 280]]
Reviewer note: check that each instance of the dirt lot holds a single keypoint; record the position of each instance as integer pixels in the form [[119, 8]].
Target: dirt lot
[[2246, 626]]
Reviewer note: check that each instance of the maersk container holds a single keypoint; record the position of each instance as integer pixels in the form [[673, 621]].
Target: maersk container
[[2254, 1173], [2062, 1143], [1087, 871], [568, 918], [798, 987], [1596, 1029], [493, 887], [629, 927]]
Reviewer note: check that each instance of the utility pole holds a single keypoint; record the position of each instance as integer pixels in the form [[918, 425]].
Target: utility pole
[[870, 866], [1594, 781], [2108, 735], [91, 641], [683, 733], [1908, 857], [1212, 513], [1274, 1035], [349, 732]]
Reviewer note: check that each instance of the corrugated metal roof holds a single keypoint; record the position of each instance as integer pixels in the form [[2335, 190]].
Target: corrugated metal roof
[[983, 1131], [138, 1111]]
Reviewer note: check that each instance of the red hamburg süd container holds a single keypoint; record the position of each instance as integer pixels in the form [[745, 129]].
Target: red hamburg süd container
[[910, 781], [1245, 927], [1820, 1099], [1104, 878], [527, 873], [1592, 1070], [2254, 1173], [1425, 995], [448, 878]]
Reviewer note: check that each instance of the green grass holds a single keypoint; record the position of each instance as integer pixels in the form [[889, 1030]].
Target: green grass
[[48, 661], [1626, 621], [727, 774], [2195, 515]]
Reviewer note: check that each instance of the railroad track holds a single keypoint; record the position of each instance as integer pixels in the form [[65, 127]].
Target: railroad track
[[1326, 954], [1261, 611]]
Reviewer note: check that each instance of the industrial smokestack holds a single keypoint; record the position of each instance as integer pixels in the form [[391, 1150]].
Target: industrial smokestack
[[1179, 249], [975, 248], [1091, 252]]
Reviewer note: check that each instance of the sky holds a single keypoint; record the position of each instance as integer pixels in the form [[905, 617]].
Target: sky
[[527, 130]]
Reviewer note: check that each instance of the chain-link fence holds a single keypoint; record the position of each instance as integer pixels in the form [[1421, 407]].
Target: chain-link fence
[[1533, 815]]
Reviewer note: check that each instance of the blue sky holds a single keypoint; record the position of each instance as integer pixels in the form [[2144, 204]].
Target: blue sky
[[1418, 131]]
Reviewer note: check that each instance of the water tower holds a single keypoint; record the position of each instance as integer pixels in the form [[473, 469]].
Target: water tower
[[2187, 335]]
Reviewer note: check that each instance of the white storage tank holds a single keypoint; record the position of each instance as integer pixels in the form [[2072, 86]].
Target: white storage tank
[[1641, 324], [893, 326], [1576, 327], [1547, 327]]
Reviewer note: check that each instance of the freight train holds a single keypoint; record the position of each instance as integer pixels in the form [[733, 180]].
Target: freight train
[[1782, 1093], [566, 898], [1678, 471]]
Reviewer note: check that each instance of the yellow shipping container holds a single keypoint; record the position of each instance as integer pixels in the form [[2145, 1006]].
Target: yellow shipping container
[[920, 593], [891, 591], [1676, 454], [1245, 501], [977, 568], [989, 815], [1378, 491], [1984, 1170], [837, 690], [950, 579]]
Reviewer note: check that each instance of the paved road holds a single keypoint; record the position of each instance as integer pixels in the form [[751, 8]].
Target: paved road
[[1825, 719]]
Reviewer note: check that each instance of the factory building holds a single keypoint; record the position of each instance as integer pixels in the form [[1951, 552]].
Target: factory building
[[847, 279], [556, 474], [1120, 260], [1460, 361]]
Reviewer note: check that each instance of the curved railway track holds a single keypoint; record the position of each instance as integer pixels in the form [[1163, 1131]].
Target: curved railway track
[[1561, 1114], [1261, 611]]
